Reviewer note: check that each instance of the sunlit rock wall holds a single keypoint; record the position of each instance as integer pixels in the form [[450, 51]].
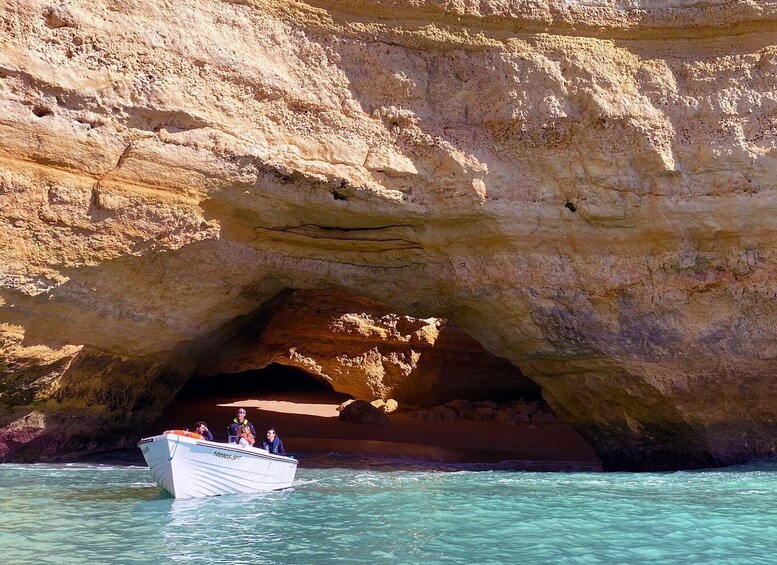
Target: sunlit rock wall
[[586, 188]]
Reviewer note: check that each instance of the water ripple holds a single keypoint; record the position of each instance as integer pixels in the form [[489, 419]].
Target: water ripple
[[103, 514]]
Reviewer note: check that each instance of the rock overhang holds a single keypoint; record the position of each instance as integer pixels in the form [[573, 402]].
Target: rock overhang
[[585, 190]]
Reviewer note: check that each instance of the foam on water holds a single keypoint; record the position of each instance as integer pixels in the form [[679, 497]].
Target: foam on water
[[79, 513]]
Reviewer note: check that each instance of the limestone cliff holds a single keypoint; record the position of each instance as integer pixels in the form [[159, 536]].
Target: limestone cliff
[[586, 188]]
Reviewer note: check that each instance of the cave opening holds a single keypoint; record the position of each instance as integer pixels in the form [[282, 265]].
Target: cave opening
[[442, 396], [262, 392], [273, 380]]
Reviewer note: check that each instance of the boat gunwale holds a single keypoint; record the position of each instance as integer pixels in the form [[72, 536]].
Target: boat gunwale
[[225, 447]]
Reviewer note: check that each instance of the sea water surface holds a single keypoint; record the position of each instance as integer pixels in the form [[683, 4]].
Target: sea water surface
[[79, 513]]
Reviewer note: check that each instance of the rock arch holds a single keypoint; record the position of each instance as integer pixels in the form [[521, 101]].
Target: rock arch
[[363, 348], [426, 163]]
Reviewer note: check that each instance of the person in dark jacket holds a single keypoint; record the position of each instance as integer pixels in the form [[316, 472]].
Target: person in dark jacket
[[240, 420], [202, 429], [273, 443]]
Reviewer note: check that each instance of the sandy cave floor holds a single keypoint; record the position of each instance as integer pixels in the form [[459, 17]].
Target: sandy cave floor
[[308, 424]]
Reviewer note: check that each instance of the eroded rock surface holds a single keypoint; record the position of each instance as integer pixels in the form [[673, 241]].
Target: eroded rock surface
[[587, 189], [362, 348], [362, 412]]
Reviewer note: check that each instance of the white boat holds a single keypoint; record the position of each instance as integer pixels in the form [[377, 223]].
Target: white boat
[[187, 466]]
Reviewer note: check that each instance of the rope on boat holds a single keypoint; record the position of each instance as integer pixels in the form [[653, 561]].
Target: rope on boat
[[175, 448]]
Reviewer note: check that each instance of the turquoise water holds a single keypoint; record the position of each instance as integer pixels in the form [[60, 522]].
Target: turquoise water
[[111, 514]]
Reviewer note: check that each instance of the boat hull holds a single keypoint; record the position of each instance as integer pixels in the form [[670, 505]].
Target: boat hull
[[187, 467]]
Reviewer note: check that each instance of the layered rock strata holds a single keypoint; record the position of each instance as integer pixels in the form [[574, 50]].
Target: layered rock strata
[[586, 188]]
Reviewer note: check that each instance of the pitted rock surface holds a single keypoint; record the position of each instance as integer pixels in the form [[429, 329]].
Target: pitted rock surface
[[586, 189]]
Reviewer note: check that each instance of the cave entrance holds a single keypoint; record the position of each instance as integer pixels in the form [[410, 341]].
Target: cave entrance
[[267, 394], [269, 382], [452, 400]]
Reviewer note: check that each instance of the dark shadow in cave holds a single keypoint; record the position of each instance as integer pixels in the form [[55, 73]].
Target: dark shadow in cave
[[477, 376], [273, 380], [215, 399]]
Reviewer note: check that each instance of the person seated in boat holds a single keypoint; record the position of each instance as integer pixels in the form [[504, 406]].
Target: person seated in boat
[[202, 429], [240, 420], [244, 437], [272, 443]]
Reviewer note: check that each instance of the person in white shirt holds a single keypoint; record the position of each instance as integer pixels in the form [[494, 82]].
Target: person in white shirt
[[244, 437]]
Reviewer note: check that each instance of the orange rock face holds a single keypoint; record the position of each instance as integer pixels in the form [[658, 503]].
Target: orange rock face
[[362, 348], [585, 190]]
